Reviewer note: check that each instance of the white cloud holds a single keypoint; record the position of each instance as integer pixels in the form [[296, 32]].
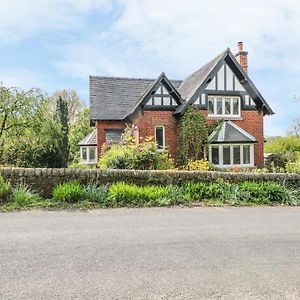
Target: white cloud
[[24, 18]]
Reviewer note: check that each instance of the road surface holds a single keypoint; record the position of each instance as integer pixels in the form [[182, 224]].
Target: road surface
[[151, 253]]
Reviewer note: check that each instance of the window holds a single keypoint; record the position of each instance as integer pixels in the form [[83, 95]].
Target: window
[[221, 106], [215, 155], [113, 135], [84, 154], [88, 154], [92, 153], [229, 155], [160, 137]]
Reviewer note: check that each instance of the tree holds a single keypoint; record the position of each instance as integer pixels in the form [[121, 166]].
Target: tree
[[62, 117], [78, 130], [295, 130], [72, 99], [18, 110], [192, 136]]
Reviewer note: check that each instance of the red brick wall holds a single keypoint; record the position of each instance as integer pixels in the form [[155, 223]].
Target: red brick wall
[[252, 121], [147, 121], [101, 126]]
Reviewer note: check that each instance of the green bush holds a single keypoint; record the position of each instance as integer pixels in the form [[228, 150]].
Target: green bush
[[4, 189], [95, 193], [265, 192], [70, 192], [123, 194], [23, 196], [144, 156], [81, 166]]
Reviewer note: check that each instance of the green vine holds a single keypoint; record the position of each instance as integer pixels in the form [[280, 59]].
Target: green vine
[[193, 135]]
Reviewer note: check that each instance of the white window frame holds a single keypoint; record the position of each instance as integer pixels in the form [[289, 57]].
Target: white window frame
[[88, 161], [222, 165], [164, 137], [223, 115]]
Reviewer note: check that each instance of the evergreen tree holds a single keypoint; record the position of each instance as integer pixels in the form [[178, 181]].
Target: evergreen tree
[[62, 116]]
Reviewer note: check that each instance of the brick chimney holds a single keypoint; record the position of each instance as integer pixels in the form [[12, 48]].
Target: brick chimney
[[242, 56]]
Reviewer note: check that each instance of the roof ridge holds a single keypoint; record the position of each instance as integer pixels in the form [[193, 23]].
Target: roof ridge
[[129, 78]]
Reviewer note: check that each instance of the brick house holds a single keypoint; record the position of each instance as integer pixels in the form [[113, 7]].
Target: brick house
[[221, 89]]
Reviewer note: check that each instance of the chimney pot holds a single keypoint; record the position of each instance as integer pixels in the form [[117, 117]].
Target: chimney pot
[[242, 56]]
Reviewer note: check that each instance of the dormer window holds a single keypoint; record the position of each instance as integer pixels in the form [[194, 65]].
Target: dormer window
[[224, 106]]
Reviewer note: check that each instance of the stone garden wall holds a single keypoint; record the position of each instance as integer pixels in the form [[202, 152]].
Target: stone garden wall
[[44, 180]]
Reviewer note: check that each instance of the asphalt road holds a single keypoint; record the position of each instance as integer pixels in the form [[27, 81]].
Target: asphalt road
[[157, 253]]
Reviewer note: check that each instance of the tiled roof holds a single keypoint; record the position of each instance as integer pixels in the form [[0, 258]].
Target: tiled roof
[[189, 85], [89, 140], [228, 132], [113, 98]]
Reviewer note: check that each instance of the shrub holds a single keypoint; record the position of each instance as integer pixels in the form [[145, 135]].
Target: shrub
[[23, 196], [198, 165], [81, 166], [4, 189], [122, 194], [117, 157], [70, 192], [144, 156], [95, 193], [265, 192], [293, 167]]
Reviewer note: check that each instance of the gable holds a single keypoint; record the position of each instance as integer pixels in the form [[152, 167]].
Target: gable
[[225, 82], [222, 74], [160, 96]]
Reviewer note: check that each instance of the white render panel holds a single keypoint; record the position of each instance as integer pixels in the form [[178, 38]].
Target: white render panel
[[238, 86], [229, 79], [197, 100], [203, 96], [221, 79], [212, 84]]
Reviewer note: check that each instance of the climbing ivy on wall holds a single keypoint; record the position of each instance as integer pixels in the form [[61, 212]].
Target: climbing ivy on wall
[[193, 135]]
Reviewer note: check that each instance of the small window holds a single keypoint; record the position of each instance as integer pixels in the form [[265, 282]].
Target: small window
[[226, 155], [235, 106], [92, 153], [113, 135], [160, 137], [246, 154], [84, 153], [215, 155], [211, 109], [236, 155]]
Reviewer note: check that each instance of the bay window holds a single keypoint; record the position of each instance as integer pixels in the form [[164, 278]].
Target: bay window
[[227, 155], [88, 155], [224, 106]]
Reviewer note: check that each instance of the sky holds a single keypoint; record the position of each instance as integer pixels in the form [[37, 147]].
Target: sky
[[57, 44]]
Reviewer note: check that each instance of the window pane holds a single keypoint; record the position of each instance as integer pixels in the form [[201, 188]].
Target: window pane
[[227, 106], [159, 137], [235, 104], [219, 106], [84, 153], [236, 155], [92, 153], [215, 155], [246, 154], [211, 106], [226, 155], [113, 135], [157, 100]]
